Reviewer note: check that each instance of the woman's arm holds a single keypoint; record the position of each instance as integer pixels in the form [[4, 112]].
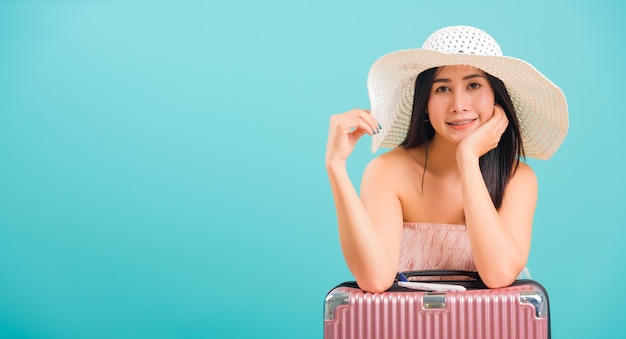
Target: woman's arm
[[370, 246], [500, 240]]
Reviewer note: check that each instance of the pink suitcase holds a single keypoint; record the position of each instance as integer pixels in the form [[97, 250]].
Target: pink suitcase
[[515, 312]]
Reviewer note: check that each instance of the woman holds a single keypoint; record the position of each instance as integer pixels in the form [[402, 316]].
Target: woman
[[452, 193]]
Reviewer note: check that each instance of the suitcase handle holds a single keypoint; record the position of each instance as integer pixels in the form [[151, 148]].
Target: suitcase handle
[[440, 273]]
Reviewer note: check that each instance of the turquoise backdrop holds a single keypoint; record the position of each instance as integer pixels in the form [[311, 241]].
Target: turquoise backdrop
[[162, 163]]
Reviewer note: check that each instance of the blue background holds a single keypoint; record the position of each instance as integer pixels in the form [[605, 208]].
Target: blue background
[[162, 163]]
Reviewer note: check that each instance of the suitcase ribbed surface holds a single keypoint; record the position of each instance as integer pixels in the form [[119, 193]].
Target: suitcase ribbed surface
[[473, 314]]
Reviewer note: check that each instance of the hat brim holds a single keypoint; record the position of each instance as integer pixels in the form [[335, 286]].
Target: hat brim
[[540, 105]]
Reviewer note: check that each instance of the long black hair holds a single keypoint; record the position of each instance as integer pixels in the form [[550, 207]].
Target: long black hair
[[498, 164]]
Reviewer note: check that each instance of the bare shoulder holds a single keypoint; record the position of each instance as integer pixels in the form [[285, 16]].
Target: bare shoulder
[[524, 174], [523, 180], [386, 173], [388, 165]]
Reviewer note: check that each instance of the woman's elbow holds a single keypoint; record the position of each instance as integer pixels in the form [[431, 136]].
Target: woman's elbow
[[498, 282], [499, 279], [375, 285]]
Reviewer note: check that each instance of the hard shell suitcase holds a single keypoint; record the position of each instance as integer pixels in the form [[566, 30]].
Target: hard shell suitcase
[[515, 312]]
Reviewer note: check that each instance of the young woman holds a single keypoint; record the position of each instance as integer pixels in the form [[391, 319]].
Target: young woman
[[452, 193]]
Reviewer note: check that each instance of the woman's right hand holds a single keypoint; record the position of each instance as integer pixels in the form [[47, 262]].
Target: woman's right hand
[[344, 132]]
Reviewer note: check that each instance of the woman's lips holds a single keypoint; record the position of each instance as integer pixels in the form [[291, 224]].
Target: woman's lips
[[460, 124]]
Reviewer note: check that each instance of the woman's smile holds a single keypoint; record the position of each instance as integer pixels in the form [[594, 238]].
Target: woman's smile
[[461, 124]]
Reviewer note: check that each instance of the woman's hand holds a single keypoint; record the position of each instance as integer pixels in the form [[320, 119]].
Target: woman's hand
[[344, 132], [484, 138]]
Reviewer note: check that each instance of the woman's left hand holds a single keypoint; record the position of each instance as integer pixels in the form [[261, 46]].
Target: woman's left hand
[[486, 137]]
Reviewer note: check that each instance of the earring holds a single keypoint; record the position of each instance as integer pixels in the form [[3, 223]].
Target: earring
[[426, 119]]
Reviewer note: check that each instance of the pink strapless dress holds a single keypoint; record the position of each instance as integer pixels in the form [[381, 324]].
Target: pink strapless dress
[[428, 246], [435, 247]]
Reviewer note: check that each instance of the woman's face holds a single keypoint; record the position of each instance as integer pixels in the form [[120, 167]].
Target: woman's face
[[461, 99]]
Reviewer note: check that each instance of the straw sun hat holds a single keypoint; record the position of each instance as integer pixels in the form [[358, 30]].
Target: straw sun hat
[[540, 105]]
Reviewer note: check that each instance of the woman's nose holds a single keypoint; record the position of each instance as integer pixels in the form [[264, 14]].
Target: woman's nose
[[460, 102]]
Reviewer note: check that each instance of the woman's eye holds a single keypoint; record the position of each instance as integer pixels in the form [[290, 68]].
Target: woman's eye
[[474, 85], [442, 89]]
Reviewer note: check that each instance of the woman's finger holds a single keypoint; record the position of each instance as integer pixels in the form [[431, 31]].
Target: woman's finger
[[358, 119], [499, 119], [345, 131]]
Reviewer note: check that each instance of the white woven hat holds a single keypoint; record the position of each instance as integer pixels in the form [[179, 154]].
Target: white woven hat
[[540, 105]]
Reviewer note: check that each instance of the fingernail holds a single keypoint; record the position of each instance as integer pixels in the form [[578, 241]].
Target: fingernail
[[380, 126]]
